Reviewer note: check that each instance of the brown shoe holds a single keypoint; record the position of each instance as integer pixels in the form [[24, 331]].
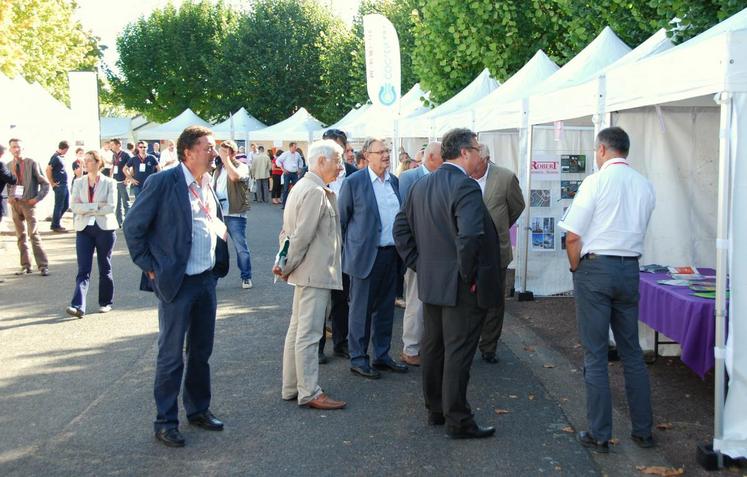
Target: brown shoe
[[325, 402], [410, 360]]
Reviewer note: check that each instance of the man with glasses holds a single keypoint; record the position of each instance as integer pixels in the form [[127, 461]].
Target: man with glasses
[[369, 201], [120, 159], [140, 166], [444, 232]]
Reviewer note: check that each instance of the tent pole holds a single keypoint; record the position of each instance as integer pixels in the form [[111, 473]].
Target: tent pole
[[524, 294]]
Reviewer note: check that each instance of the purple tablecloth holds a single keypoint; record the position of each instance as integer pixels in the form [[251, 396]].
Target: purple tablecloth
[[687, 319]]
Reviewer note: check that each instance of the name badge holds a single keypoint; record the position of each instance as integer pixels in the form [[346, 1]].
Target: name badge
[[142, 167], [18, 191], [116, 169]]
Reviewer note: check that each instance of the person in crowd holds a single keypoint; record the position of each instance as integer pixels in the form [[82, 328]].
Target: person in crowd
[[349, 155], [31, 187], [230, 185], [339, 311], [93, 201], [291, 163], [505, 202], [130, 149], [404, 163], [156, 150], [140, 166], [412, 321], [605, 229], [260, 171], [79, 164], [6, 178], [445, 233], [178, 208], [241, 156], [250, 155], [342, 139], [360, 160], [369, 201], [277, 174], [168, 157], [312, 266], [107, 157], [120, 160], [57, 177]]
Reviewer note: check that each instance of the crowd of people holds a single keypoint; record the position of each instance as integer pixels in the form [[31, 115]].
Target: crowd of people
[[351, 230]]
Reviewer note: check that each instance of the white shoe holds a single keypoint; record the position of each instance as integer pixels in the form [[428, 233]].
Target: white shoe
[[105, 309], [246, 283]]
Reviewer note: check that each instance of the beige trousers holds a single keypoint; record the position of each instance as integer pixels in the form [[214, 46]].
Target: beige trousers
[[24, 219], [412, 322], [301, 354]]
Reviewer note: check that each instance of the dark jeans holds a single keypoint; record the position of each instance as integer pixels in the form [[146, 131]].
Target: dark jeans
[[237, 230], [136, 190], [606, 291], [289, 178], [190, 316], [123, 202], [372, 310], [276, 187], [88, 240], [493, 326], [61, 204], [338, 317], [450, 337]]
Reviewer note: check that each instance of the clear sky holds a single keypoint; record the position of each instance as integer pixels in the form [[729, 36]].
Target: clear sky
[[107, 18]]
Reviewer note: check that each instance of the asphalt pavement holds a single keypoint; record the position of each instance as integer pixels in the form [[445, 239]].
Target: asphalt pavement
[[76, 395]]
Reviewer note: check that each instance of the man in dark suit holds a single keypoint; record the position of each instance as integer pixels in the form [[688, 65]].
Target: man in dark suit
[[445, 234], [176, 236], [369, 201]]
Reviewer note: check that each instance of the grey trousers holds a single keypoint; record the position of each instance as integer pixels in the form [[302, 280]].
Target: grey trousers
[[606, 291]]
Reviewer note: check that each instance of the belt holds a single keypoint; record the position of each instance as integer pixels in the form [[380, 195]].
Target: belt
[[386, 247], [594, 256]]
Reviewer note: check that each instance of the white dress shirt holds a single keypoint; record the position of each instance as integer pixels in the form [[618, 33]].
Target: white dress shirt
[[611, 211], [202, 254], [483, 180], [388, 205], [289, 161]]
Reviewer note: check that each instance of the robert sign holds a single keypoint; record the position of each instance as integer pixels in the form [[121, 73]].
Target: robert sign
[[383, 70], [545, 168]]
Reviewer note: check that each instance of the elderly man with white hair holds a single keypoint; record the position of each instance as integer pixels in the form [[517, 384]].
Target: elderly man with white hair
[[312, 266]]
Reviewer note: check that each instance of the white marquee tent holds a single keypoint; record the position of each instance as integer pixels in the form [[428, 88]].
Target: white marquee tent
[[239, 126], [299, 127], [171, 129]]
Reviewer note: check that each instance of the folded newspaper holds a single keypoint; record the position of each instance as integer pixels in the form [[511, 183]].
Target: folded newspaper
[[282, 257]]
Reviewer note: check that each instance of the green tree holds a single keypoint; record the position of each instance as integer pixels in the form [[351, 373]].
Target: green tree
[[170, 60], [40, 41]]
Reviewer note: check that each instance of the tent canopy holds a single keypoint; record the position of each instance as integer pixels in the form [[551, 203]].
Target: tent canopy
[[173, 128], [240, 124], [298, 127]]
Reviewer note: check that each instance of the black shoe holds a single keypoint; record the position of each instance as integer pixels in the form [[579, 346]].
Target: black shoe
[[170, 437], [585, 439], [392, 366], [612, 354], [436, 419], [365, 371], [342, 352], [489, 357], [322, 358], [643, 442], [206, 420], [472, 432]]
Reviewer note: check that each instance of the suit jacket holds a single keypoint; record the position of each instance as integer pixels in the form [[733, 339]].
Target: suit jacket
[[312, 227], [349, 169], [105, 195], [158, 230], [407, 179], [445, 234], [360, 222], [505, 203], [5, 178]]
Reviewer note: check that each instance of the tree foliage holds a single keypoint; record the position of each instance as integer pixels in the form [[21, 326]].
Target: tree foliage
[[169, 61], [39, 40]]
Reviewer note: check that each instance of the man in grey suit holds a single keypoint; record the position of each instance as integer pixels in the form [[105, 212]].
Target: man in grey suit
[[445, 233], [412, 322], [505, 202]]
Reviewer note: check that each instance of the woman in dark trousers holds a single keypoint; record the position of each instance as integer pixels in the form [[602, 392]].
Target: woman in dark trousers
[[93, 200], [277, 173]]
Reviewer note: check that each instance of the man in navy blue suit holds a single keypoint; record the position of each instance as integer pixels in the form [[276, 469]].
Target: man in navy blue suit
[[175, 234], [369, 201]]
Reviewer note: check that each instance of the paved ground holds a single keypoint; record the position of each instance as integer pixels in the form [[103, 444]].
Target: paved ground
[[76, 395]]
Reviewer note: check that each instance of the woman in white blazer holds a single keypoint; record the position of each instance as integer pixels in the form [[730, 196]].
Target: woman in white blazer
[[92, 200]]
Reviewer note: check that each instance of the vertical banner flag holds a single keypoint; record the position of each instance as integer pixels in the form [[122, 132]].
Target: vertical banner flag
[[383, 70]]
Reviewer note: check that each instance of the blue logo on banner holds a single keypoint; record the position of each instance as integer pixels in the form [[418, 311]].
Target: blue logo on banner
[[387, 94]]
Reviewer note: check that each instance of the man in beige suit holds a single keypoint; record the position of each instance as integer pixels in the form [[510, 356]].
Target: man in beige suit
[[505, 202], [312, 229], [260, 171]]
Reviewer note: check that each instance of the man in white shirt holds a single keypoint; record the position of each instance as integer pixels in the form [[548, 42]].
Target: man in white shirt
[[606, 226], [291, 163], [168, 157]]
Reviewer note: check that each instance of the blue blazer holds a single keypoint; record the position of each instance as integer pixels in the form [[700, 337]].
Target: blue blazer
[[360, 222], [407, 179], [158, 231]]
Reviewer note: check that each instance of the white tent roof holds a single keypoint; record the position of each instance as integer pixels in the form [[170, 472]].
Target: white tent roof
[[241, 123], [411, 105], [298, 127], [423, 124], [115, 127], [173, 128]]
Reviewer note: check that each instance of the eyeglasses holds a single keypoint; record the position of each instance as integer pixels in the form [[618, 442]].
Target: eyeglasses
[[383, 151], [142, 147]]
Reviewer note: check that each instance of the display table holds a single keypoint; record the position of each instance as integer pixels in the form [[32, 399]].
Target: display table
[[687, 319]]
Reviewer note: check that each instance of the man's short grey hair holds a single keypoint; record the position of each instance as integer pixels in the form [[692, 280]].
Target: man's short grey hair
[[326, 148], [369, 142], [484, 152]]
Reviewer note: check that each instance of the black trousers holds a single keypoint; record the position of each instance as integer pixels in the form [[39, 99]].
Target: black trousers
[[493, 326], [450, 337], [338, 317]]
